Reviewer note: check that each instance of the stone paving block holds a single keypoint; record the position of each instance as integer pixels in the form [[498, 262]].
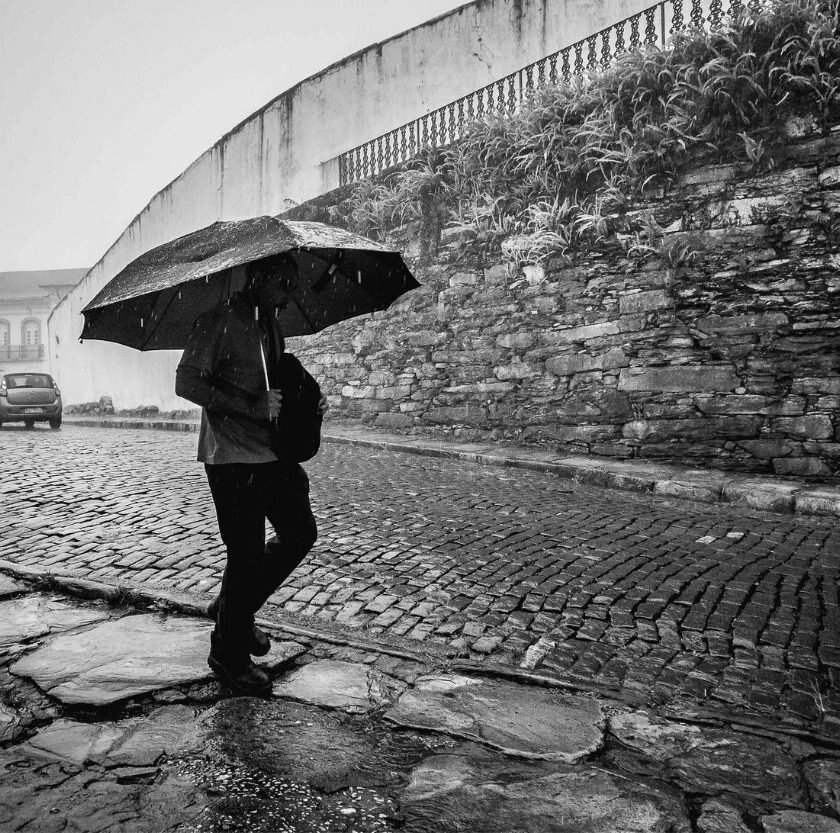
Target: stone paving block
[[775, 497], [380, 603], [484, 540], [818, 502]]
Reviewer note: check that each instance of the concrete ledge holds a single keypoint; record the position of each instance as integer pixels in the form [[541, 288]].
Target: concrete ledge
[[764, 492]]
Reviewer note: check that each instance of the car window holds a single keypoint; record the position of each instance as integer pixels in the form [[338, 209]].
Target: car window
[[29, 380]]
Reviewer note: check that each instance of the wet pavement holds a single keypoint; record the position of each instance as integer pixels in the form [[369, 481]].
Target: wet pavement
[[354, 740], [699, 609]]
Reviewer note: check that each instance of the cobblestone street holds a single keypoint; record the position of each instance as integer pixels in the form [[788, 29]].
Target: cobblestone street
[[684, 605]]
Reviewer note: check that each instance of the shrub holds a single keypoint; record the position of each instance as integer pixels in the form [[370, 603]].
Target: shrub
[[564, 167]]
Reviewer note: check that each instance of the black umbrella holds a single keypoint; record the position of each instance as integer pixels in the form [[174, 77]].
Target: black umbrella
[[153, 303]]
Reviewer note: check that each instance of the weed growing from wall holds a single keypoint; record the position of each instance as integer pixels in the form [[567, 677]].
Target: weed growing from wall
[[563, 170]]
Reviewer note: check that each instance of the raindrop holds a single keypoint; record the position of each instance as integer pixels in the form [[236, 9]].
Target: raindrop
[[141, 322], [359, 276], [179, 294]]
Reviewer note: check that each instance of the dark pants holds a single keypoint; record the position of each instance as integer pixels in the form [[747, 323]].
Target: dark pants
[[245, 495]]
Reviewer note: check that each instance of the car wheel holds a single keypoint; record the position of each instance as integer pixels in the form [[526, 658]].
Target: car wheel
[[29, 423], [55, 424]]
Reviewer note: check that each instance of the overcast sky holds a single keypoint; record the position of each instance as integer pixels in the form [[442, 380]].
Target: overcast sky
[[104, 102]]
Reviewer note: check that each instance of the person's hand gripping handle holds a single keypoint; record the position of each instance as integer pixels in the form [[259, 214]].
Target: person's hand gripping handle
[[274, 402]]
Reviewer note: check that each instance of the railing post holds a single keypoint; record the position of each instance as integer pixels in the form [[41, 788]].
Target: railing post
[[696, 13], [676, 16]]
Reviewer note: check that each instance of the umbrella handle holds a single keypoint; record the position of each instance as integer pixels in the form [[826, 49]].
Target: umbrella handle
[[264, 367]]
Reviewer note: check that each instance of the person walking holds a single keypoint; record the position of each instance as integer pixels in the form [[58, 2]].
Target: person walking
[[235, 367]]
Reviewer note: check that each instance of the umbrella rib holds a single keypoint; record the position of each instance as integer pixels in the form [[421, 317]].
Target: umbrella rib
[[345, 276], [305, 316], [160, 319]]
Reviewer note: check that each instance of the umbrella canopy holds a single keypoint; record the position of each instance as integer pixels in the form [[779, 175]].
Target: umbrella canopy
[[153, 303]]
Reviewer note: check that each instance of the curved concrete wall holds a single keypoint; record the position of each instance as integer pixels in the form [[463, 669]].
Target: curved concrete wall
[[286, 151]]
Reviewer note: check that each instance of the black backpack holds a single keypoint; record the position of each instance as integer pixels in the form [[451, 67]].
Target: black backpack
[[296, 435]]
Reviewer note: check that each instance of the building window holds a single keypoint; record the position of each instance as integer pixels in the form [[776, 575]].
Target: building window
[[5, 334], [31, 333]]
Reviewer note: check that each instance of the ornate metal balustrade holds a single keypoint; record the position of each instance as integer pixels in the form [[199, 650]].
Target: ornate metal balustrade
[[446, 124]]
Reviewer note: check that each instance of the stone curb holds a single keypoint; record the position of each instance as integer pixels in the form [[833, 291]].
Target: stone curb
[[763, 492]]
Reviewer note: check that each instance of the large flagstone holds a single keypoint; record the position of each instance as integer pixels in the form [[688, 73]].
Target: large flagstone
[[134, 742], [350, 686], [30, 617], [56, 796], [69, 740], [474, 789], [711, 761], [119, 659], [520, 720], [123, 658]]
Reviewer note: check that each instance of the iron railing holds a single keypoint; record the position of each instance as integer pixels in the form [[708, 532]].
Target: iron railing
[[21, 353], [446, 124]]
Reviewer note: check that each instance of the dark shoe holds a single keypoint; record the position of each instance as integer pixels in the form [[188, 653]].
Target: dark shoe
[[259, 644], [239, 674]]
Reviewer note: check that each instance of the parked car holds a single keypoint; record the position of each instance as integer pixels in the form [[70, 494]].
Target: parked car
[[30, 398]]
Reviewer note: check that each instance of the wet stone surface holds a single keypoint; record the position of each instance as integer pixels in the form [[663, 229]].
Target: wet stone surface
[[718, 816], [823, 778], [353, 687], [454, 791], [30, 617], [658, 599], [327, 750], [524, 721], [9, 587], [122, 658], [708, 761], [138, 742], [10, 724], [365, 744], [794, 821]]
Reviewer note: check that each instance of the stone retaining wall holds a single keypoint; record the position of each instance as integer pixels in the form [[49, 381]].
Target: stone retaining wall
[[721, 349]]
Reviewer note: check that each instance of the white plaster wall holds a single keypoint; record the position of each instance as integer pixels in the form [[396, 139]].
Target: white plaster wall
[[278, 154]]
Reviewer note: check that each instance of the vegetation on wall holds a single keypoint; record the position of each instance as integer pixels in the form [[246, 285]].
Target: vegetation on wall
[[566, 167]]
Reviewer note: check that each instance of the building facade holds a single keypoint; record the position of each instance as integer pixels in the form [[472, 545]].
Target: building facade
[[26, 301]]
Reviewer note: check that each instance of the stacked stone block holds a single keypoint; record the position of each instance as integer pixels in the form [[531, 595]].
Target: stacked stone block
[[719, 349]]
